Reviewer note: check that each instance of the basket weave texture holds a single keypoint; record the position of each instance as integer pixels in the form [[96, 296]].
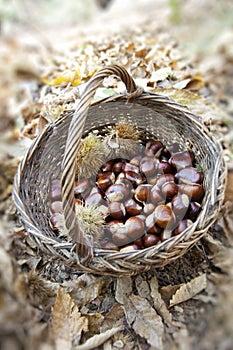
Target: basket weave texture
[[53, 155]]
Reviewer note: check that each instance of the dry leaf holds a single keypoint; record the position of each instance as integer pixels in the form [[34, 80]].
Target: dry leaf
[[189, 290], [144, 320], [67, 322], [159, 303], [85, 288], [97, 340], [123, 289]]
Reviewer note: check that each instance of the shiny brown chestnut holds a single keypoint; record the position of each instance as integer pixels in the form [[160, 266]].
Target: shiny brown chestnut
[[164, 167], [132, 207], [193, 210], [142, 193], [138, 242], [117, 166], [153, 148], [180, 204], [183, 159], [135, 227], [56, 207], [57, 221], [116, 210], [109, 246], [148, 165], [148, 208], [169, 189], [130, 167], [194, 191], [166, 234], [156, 196], [182, 225], [149, 240], [55, 190], [82, 187], [94, 199], [107, 166], [189, 175], [173, 147], [106, 180], [135, 178], [136, 160], [164, 216], [120, 238], [151, 226], [117, 192], [164, 178]]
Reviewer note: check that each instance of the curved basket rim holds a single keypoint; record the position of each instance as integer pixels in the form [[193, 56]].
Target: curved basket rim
[[101, 253]]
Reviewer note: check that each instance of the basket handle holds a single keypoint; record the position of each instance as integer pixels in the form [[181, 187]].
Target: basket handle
[[84, 247]]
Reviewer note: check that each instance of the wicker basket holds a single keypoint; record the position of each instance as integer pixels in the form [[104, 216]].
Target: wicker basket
[[53, 155]]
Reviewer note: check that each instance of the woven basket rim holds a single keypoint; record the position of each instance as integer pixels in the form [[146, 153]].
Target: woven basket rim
[[106, 255]]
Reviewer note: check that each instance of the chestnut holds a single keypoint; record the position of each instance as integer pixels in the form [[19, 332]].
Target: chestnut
[[55, 190], [107, 166], [106, 180], [194, 191], [169, 189], [173, 147], [132, 207], [120, 238], [151, 226], [189, 175], [156, 195], [166, 234], [130, 167], [135, 178], [57, 221], [164, 178], [82, 187], [129, 248], [116, 210], [56, 207], [180, 204], [136, 160], [148, 165], [153, 148], [117, 193], [138, 243], [193, 210], [94, 199], [149, 240], [182, 159], [164, 216], [135, 227], [182, 225], [148, 208], [117, 226], [142, 193], [109, 246], [117, 166], [164, 167]]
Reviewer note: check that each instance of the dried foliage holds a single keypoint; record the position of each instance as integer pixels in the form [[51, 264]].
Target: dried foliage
[[189, 302]]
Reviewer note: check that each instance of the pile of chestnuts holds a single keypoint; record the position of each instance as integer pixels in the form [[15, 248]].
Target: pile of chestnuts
[[147, 199]]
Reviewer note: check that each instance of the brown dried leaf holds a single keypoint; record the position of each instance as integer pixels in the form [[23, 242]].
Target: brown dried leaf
[[67, 322], [123, 289], [189, 290], [144, 320], [159, 303], [85, 288]]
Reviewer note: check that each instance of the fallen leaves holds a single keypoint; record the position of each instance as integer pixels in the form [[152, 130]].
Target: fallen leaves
[[188, 290], [67, 322], [144, 320]]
